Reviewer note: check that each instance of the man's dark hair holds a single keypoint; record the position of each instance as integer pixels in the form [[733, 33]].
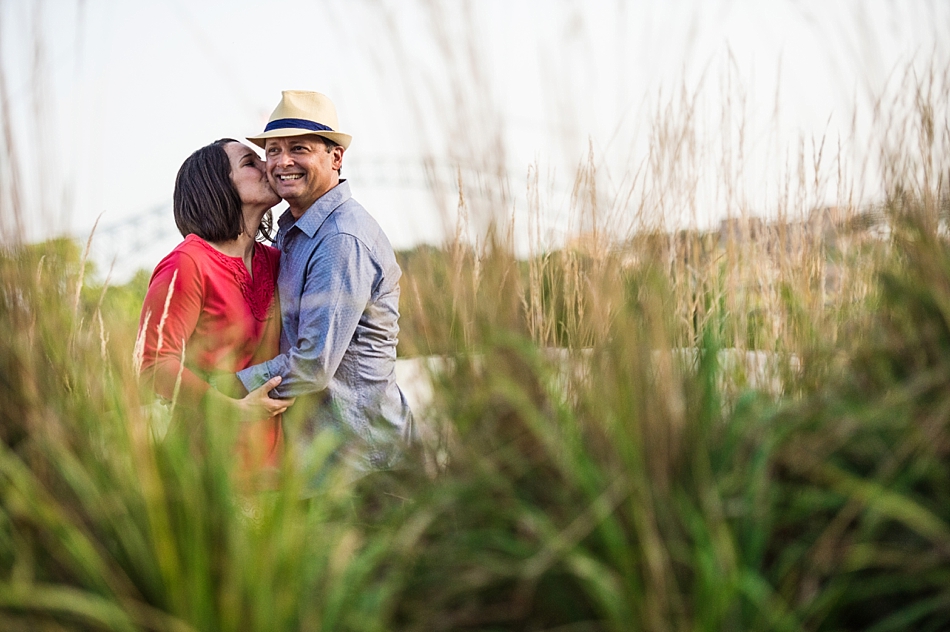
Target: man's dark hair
[[206, 202], [329, 144]]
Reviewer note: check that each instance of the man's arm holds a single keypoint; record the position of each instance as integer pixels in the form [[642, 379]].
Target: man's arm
[[340, 280]]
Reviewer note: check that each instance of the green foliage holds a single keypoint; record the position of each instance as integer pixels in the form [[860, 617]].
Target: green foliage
[[638, 499], [605, 485]]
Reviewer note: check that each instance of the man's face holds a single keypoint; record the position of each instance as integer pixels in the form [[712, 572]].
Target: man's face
[[301, 169]]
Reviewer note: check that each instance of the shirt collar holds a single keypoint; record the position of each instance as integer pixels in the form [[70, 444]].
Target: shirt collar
[[314, 216]]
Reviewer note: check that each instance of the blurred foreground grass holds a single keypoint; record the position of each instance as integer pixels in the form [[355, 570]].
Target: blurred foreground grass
[[633, 490]]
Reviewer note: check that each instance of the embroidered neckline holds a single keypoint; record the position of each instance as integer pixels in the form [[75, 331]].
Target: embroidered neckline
[[258, 291]]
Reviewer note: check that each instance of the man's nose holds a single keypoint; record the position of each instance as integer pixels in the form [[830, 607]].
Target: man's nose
[[281, 158]]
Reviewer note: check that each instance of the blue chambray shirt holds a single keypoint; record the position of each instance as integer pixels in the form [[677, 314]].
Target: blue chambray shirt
[[339, 299]]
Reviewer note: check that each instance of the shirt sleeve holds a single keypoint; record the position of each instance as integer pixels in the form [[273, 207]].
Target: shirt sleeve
[[339, 284], [177, 284]]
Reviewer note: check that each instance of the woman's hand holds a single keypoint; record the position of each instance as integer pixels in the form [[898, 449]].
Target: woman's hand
[[258, 405]]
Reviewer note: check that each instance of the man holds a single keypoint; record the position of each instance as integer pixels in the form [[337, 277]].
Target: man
[[339, 291]]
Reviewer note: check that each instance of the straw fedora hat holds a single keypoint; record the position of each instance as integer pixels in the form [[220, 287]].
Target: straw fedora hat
[[300, 112]]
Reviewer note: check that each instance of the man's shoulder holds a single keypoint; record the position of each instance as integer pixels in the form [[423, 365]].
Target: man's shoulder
[[352, 211], [351, 218]]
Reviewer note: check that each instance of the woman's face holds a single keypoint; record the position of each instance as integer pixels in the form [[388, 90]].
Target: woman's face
[[249, 177]]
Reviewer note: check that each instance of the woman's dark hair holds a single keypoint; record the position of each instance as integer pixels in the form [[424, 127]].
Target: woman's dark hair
[[206, 202]]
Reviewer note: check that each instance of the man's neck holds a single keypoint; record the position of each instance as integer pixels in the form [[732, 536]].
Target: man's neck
[[298, 210]]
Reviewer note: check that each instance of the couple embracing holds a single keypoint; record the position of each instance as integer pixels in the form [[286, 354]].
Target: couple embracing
[[298, 337]]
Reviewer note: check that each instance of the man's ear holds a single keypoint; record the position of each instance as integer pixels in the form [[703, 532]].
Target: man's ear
[[336, 157]]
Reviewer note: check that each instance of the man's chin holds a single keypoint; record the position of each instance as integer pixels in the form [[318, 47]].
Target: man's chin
[[287, 195], [297, 204], [290, 198]]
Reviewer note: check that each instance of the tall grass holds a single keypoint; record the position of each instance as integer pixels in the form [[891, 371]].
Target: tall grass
[[658, 496], [104, 527], [598, 465]]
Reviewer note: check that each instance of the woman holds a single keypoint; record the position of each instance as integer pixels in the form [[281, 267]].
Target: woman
[[210, 306]]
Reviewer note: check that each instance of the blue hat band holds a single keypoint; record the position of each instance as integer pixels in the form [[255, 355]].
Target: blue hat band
[[297, 124]]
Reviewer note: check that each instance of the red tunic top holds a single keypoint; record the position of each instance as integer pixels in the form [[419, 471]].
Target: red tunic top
[[218, 318]]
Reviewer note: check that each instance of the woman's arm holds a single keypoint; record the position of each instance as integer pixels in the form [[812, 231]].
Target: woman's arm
[[169, 318], [170, 315]]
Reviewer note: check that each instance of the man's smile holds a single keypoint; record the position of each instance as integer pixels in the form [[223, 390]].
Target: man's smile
[[289, 176]]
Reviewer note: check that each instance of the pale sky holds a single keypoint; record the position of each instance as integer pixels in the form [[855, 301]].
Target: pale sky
[[109, 96]]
